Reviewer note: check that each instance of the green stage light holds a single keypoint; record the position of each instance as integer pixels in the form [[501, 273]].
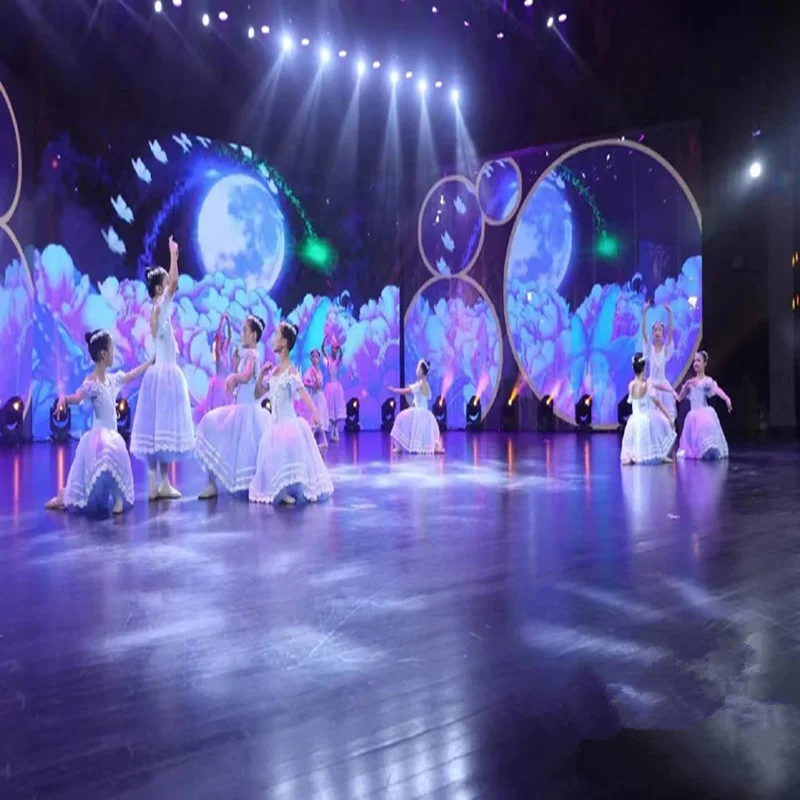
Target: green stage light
[[607, 246], [318, 254]]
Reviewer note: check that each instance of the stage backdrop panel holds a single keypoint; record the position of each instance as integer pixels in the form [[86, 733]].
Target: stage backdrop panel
[[566, 244], [251, 243]]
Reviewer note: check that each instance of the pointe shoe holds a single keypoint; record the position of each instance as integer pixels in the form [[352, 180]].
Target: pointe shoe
[[118, 507], [168, 492], [289, 501], [208, 493], [54, 504]]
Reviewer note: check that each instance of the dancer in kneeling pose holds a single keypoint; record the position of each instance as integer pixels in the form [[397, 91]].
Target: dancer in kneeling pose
[[415, 430], [100, 477], [289, 467], [702, 435], [228, 437], [649, 432]]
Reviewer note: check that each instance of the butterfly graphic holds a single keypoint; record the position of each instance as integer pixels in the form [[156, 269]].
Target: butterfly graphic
[[158, 152], [141, 170], [183, 141], [448, 242], [115, 244], [124, 212]]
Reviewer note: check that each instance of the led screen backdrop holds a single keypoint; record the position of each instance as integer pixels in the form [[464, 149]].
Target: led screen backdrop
[[563, 245], [250, 243]]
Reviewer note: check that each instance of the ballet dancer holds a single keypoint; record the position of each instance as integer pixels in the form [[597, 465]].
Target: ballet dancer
[[415, 430], [649, 432], [289, 467], [228, 437], [702, 435], [218, 394], [162, 426], [313, 380], [100, 476], [658, 350], [334, 393]]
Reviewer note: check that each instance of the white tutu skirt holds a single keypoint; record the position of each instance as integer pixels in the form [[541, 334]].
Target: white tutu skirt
[[321, 404], [289, 465], [162, 426], [416, 431], [227, 443], [648, 438], [334, 395], [668, 399], [702, 436], [100, 471]]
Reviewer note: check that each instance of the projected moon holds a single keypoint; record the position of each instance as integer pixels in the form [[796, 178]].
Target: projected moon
[[240, 232]]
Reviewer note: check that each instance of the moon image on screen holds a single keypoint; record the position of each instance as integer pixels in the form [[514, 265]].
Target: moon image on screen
[[541, 246], [240, 231]]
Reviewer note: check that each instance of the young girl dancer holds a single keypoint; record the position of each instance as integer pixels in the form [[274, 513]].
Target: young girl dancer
[[218, 394], [702, 435], [228, 437], [334, 393], [162, 427], [100, 476], [658, 351], [649, 433], [313, 380], [289, 467], [415, 430]]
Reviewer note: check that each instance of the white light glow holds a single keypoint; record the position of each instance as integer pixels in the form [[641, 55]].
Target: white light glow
[[325, 55], [376, 65], [343, 54], [286, 43], [562, 17], [361, 67], [500, 35], [177, 3], [265, 29], [422, 86], [438, 84], [206, 20], [251, 32], [550, 22], [756, 169], [435, 10], [158, 6], [454, 96], [305, 42], [394, 77], [223, 16], [528, 3], [409, 75]]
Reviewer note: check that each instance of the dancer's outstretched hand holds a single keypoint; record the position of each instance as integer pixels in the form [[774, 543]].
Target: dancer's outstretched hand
[[174, 250]]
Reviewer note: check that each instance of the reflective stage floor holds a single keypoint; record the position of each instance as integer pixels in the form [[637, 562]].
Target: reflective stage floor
[[520, 618]]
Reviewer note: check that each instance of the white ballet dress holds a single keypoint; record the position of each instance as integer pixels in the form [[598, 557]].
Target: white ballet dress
[[289, 463], [101, 469], [415, 430], [657, 373], [702, 435], [163, 430], [311, 380], [228, 437], [648, 437], [334, 393]]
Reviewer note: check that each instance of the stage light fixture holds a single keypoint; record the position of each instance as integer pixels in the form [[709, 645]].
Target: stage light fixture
[[545, 415], [387, 414], [343, 54], [251, 32], [60, 422], [466, 23], [351, 422], [562, 17], [394, 77], [434, 10], [361, 67], [583, 412], [376, 65], [509, 414], [409, 75], [177, 3], [305, 42], [11, 418], [286, 43], [440, 413], [422, 86], [624, 410], [454, 96], [265, 29], [474, 415], [755, 170], [501, 35], [325, 55], [438, 84], [206, 20], [266, 404], [158, 6], [528, 3], [550, 22], [223, 16], [123, 418]]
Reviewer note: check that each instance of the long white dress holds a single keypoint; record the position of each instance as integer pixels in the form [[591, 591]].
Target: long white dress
[[162, 426], [228, 437], [101, 468], [334, 393], [289, 463], [702, 435], [415, 430], [648, 436], [657, 373]]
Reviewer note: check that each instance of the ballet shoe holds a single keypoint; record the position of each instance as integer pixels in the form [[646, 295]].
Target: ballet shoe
[[289, 501], [168, 492], [54, 504], [118, 507], [208, 493]]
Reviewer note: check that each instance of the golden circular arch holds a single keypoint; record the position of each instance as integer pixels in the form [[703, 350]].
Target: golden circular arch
[[471, 186], [475, 285], [657, 157]]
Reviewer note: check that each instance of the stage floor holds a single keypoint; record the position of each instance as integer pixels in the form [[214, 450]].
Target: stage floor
[[519, 618]]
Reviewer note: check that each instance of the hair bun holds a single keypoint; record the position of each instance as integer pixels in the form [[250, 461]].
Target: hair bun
[[88, 337]]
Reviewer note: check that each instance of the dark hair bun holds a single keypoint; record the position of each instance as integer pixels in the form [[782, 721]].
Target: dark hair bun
[[638, 363], [425, 366], [97, 341], [88, 336]]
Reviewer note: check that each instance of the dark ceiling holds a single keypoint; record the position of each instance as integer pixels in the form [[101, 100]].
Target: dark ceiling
[[620, 64]]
